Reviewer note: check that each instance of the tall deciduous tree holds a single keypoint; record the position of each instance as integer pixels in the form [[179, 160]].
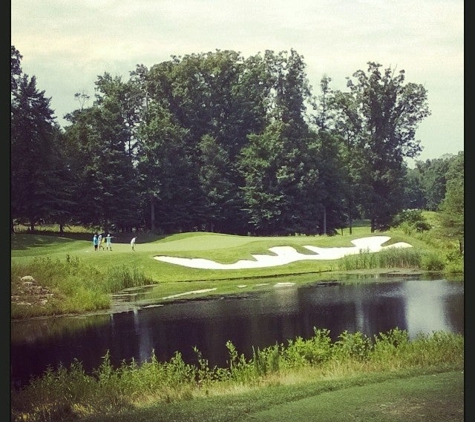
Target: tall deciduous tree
[[262, 164], [382, 113], [216, 184], [331, 164], [107, 188]]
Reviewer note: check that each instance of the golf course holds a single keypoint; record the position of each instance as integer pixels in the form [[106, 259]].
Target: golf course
[[389, 378]]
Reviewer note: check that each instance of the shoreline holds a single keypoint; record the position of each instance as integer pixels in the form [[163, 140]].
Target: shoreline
[[212, 294]]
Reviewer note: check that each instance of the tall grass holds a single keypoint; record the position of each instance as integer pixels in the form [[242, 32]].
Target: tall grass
[[123, 277], [68, 286], [64, 394], [393, 258]]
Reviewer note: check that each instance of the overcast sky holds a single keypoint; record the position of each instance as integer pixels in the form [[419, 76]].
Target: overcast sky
[[67, 44]]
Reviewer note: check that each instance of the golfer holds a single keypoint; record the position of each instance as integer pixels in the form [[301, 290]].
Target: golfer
[[108, 242], [95, 242], [132, 243]]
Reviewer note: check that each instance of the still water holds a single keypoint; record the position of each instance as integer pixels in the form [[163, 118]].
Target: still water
[[259, 320]]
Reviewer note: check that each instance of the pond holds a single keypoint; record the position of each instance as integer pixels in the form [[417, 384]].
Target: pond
[[281, 313]]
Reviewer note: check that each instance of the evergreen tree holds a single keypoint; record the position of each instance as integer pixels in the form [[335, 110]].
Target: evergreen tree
[[35, 154]]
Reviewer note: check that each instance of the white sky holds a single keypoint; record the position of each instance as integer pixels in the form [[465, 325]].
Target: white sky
[[67, 44]]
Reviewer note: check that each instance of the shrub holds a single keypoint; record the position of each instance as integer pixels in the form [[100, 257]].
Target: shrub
[[314, 351], [266, 361], [353, 345], [409, 220], [239, 368]]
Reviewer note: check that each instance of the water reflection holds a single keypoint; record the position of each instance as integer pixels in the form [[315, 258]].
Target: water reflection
[[431, 305], [259, 320]]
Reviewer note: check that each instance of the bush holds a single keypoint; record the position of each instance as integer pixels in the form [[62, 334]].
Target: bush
[[410, 220], [316, 350], [353, 345]]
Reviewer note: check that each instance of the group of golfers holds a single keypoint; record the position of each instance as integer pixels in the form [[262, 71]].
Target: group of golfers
[[98, 241]]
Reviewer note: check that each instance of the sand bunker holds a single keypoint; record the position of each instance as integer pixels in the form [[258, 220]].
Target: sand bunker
[[287, 254]]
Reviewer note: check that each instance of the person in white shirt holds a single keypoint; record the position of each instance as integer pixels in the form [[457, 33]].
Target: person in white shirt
[[108, 242]]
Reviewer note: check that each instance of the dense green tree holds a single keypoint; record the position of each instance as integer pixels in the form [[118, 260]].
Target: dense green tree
[[292, 91], [15, 68], [83, 144], [216, 141], [382, 115], [217, 186], [332, 155], [226, 98], [165, 168], [168, 150], [414, 194], [107, 188], [278, 164], [283, 189], [262, 165], [35, 161], [333, 183], [433, 180]]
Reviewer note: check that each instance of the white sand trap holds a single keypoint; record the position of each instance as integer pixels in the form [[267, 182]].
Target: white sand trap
[[287, 254]]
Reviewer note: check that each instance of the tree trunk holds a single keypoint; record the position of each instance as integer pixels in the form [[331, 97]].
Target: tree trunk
[[152, 214], [324, 220], [350, 218]]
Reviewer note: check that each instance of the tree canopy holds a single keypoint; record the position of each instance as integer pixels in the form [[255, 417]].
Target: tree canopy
[[217, 141]]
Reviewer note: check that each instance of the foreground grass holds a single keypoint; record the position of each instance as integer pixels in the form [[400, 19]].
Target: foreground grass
[[274, 377], [402, 396]]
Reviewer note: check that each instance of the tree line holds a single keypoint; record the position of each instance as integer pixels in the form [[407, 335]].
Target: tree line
[[220, 142]]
